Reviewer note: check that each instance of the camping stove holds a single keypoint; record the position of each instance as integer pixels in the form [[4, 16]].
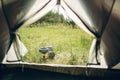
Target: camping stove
[[43, 51]]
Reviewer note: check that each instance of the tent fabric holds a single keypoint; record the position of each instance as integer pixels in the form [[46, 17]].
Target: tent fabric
[[16, 52], [71, 15], [92, 12], [99, 18], [17, 12], [41, 13], [111, 37], [4, 34]]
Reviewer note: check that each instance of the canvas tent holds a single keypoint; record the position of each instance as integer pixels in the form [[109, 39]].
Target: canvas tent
[[99, 18]]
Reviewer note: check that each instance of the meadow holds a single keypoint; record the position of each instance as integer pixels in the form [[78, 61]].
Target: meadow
[[71, 46]]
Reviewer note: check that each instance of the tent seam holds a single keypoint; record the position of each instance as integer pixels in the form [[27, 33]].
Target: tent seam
[[103, 29]]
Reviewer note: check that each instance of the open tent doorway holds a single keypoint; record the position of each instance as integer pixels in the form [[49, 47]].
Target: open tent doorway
[[72, 49], [17, 49], [70, 45]]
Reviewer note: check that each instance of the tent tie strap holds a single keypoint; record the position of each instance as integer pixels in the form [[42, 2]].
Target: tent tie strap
[[97, 47]]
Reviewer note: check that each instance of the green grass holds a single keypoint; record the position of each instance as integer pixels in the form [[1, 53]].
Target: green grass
[[71, 46]]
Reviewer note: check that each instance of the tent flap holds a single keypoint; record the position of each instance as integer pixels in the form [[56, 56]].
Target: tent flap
[[4, 34], [16, 52]]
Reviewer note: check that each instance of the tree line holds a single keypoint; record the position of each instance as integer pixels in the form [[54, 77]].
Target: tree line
[[54, 18]]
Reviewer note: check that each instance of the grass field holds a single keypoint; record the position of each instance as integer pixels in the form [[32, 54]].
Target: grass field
[[71, 46]]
